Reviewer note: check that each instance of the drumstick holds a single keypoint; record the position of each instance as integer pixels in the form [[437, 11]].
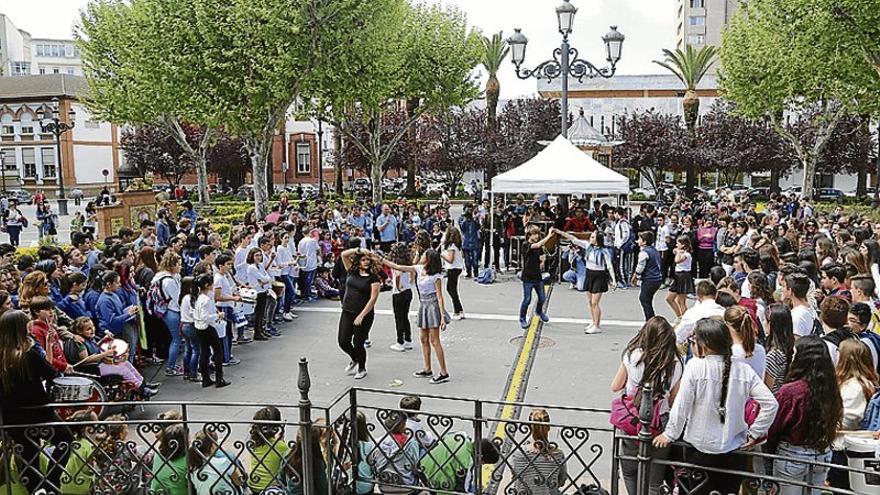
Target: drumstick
[[85, 374]]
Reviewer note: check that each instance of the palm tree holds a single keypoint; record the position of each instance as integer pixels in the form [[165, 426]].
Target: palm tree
[[689, 66], [495, 50]]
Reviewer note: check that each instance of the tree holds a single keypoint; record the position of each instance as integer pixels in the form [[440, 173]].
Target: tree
[[425, 56], [850, 149], [733, 145], [522, 125], [689, 66], [151, 148], [460, 144], [494, 52], [786, 58], [139, 67], [653, 142]]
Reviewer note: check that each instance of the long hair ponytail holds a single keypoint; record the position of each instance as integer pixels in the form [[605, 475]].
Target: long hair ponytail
[[739, 320], [712, 335]]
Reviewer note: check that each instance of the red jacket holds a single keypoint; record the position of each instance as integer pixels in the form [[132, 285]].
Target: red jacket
[[39, 330], [575, 224]]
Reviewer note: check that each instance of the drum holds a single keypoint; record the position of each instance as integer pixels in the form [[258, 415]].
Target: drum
[[248, 295], [278, 288], [71, 389], [120, 348]]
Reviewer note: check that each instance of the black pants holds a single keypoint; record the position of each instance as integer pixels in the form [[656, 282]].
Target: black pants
[[209, 345], [669, 264], [351, 338], [705, 260], [494, 253], [452, 288], [260, 314], [646, 297], [28, 440], [401, 303], [715, 482]]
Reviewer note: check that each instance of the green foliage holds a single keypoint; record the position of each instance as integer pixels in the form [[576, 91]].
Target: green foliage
[[494, 52], [689, 65]]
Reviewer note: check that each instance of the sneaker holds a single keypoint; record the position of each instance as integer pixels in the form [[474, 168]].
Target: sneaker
[[360, 375], [173, 372], [261, 338], [351, 368], [232, 362], [621, 285], [148, 392], [523, 322], [397, 347], [222, 383], [154, 360], [287, 317], [458, 316], [424, 374], [439, 379], [153, 385], [368, 344], [592, 329], [293, 315], [408, 346], [544, 317]]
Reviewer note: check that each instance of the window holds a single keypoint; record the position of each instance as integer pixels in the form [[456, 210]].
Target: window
[[92, 124], [9, 161], [696, 4], [698, 20], [70, 71], [21, 68], [48, 156], [697, 39], [30, 163], [27, 129], [7, 130], [68, 51], [56, 70], [303, 158]]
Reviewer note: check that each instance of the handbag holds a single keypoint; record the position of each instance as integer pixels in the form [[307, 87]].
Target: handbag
[[751, 412], [625, 415]]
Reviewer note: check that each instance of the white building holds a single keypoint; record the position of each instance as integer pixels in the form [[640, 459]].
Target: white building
[[22, 55], [701, 22]]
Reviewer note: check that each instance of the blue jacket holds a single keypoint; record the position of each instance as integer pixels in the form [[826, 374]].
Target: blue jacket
[[128, 296], [163, 233], [74, 308], [91, 259], [111, 313], [193, 217], [55, 292], [90, 298], [470, 233]]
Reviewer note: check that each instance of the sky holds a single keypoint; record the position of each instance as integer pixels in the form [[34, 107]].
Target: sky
[[647, 24]]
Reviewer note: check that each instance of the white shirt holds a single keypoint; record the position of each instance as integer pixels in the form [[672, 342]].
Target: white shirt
[[205, 315], [695, 411], [283, 259], [635, 371], [457, 259], [621, 232], [240, 264], [186, 310], [227, 288], [257, 278], [425, 282], [758, 360], [308, 247], [404, 282], [662, 234], [702, 309], [171, 289], [802, 318], [685, 265]]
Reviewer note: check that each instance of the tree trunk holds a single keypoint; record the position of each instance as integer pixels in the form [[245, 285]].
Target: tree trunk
[[691, 113], [202, 177], [172, 125], [493, 90], [774, 181], [862, 183], [411, 168], [809, 163], [337, 165], [376, 180], [258, 158]]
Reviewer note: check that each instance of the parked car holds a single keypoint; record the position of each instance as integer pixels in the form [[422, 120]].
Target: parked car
[[759, 194], [245, 192], [21, 196], [828, 194], [362, 185]]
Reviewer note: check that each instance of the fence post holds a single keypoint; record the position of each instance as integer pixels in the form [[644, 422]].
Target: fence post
[[355, 438], [646, 414], [478, 445], [305, 424], [7, 454]]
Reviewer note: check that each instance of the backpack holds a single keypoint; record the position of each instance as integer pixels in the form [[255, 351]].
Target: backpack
[[157, 300], [818, 330], [487, 276], [871, 420]]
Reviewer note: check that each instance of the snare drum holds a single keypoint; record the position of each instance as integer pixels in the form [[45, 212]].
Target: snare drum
[[121, 350], [71, 389], [248, 295]]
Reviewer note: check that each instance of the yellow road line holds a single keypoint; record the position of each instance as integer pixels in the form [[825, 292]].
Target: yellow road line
[[516, 383]]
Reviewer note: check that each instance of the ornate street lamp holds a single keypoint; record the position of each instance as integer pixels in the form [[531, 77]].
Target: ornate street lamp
[[565, 60], [3, 168], [57, 127]]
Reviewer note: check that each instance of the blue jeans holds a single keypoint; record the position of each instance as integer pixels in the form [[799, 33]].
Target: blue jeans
[[172, 321], [796, 471], [289, 292], [306, 280], [538, 287], [472, 261], [226, 342], [191, 349]]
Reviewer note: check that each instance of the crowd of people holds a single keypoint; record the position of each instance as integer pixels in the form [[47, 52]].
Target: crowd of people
[[769, 287]]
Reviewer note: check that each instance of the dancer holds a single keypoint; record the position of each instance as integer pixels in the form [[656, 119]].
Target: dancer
[[532, 277], [432, 311], [648, 270], [453, 262], [401, 297], [361, 293], [599, 268], [684, 281]]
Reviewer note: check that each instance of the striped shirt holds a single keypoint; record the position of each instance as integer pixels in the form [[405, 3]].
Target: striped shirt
[[776, 368], [540, 474]]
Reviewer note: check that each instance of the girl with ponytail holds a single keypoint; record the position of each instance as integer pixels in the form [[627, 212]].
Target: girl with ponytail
[[743, 335], [709, 410]]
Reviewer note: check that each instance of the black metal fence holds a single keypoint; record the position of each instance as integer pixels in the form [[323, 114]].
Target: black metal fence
[[366, 441]]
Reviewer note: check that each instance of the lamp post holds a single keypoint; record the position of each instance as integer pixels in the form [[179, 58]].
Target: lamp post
[[3, 168], [320, 158], [565, 61], [57, 127]]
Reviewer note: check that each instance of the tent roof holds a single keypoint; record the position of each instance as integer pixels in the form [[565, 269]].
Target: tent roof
[[563, 169]]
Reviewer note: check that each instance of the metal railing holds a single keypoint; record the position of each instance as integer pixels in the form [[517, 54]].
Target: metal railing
[[363, 441]]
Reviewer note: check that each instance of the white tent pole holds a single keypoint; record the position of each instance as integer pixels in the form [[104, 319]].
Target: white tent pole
[[491, 229]]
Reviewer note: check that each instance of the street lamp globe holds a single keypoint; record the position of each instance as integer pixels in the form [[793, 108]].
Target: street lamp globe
[[41, 114], [71, 115], [517, 43], [565, 15], [55, 112], [613, 45]]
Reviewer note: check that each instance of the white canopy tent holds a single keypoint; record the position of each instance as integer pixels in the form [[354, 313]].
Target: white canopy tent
[[560, 168]]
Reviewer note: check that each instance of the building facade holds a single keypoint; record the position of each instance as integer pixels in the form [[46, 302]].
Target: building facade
[[30, 156], [23, 55], [701, 22]]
